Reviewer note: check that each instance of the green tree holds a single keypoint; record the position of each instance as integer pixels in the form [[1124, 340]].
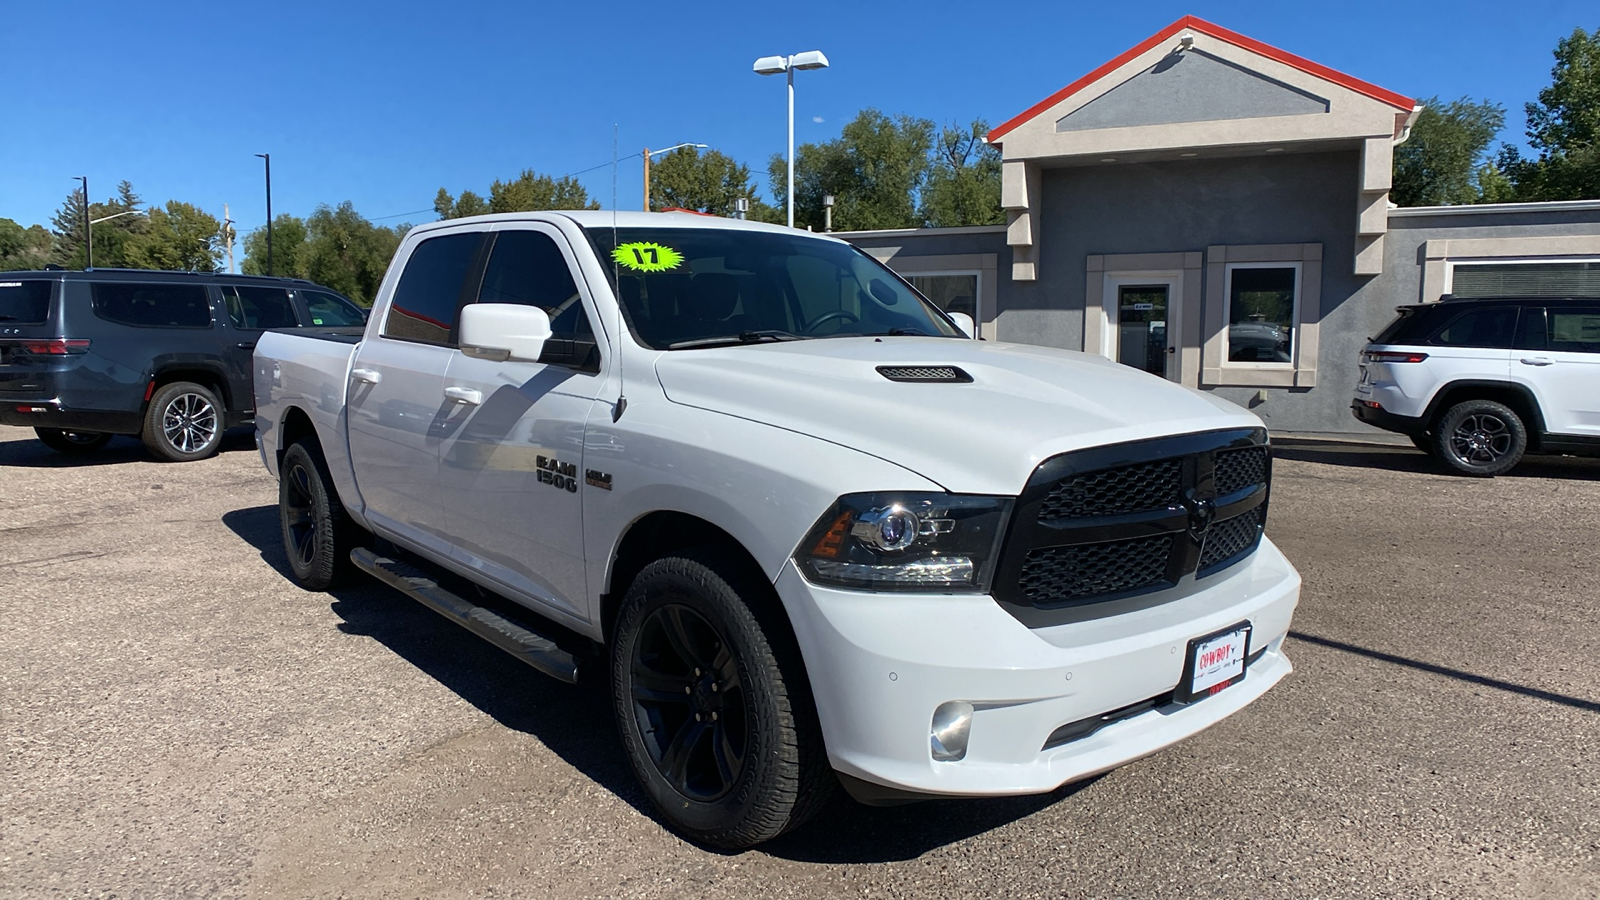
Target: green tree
[[1564, 127], [23, 248], [469, 204], [963, 186], [530, 192], [705, 182], [110, 237], [180, 236], [1441, 162], [875, 170], [288, 248], [347, 252]]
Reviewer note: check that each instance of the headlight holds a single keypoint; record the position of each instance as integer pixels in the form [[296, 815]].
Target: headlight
[[906, 542]]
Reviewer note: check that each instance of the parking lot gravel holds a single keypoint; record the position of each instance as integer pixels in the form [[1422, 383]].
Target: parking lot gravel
[[182, 721]]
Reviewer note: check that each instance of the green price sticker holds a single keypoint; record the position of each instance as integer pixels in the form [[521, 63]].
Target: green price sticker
[[647, 256]]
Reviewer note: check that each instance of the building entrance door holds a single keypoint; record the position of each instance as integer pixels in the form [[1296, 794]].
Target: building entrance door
[[1142, 318]]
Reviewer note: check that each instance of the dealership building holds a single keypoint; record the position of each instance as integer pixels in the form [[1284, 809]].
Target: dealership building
[[1216, 211]]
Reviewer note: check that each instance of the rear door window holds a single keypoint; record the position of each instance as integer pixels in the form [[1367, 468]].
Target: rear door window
[[24, 302], [258, 307], [334, 312], [428, 298], [1488, 328], [152, 305], [1575, 329]]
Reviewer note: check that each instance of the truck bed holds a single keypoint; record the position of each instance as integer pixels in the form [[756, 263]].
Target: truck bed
[[308, 368]]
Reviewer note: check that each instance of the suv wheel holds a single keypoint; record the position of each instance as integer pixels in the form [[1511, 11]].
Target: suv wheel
[[716, 718], [64, 441], [183, 423], [1480, 437], [317, 533]]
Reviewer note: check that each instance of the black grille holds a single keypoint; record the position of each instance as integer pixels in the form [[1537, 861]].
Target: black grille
[[1064, 574], [1127, 519], [925, 373], [1109, 492], [1239, 469], [1229, 538]]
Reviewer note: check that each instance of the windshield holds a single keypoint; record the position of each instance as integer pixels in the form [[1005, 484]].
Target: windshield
[[692, 287]]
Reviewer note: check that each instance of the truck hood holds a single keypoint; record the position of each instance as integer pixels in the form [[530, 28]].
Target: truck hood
[[1023, 405]]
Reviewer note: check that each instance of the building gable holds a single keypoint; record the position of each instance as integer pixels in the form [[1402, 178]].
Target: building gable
[[1192, 87]]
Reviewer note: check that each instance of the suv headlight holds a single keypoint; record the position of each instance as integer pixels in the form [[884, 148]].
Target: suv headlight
[[906, 542]]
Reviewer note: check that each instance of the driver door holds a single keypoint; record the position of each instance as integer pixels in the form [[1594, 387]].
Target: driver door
[[512, 474]]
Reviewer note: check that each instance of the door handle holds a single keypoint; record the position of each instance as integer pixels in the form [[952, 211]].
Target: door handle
[[1538, 361], [463, 395], [1172, 349], [246, 345], [366, 376]]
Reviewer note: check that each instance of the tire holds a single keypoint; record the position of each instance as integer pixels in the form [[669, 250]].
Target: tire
[[183, 423], [1480, 437], [696, 638], [317, 532], [1422, 442], [68, 441]]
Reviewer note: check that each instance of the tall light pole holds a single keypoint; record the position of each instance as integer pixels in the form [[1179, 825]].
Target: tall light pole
[[88, 227], [649, 153], [772, 65], [268, 158]]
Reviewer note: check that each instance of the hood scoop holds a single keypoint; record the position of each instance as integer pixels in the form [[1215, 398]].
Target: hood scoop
[[926, 374]]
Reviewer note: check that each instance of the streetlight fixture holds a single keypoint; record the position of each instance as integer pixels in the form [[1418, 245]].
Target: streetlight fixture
[[129, 212], [827, 212], [772, 65], [88, 226], [649, 153], [268, 158]]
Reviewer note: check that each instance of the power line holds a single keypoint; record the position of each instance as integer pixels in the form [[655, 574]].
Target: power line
[[603, 165], [398, 215]]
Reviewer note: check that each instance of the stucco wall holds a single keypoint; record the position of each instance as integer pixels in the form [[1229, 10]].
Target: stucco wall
[[1187, 206]]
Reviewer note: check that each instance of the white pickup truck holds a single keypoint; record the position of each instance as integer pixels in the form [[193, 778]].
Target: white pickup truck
[[808, 529]]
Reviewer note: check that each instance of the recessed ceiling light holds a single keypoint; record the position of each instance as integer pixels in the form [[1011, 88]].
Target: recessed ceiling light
[[1188, 155], [1274, 149], [1109, 159]]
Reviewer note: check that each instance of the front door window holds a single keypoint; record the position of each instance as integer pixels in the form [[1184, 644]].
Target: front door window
[[1142, 327]]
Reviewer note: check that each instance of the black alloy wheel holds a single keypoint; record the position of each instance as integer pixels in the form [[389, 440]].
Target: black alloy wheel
[[712, 702], [317, 533], [1480, 437], [65, 441], [689, 703]]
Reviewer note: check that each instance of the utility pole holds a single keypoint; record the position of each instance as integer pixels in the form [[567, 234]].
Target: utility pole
[[227, 234], [268, 158], [647, 179], [88, 227]]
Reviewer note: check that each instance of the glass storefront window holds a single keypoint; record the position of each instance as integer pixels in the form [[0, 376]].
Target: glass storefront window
[[1261, 312]]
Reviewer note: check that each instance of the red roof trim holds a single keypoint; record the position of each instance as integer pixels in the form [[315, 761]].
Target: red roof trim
[[1222, 34]]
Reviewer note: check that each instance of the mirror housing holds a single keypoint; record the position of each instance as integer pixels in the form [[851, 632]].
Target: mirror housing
[[963, 322], [504, 331]]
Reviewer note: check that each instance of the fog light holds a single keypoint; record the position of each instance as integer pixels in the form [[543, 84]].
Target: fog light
[[952, 725]]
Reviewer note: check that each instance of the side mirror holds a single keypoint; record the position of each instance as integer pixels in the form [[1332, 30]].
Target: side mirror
[[964, 322], [502, 331]]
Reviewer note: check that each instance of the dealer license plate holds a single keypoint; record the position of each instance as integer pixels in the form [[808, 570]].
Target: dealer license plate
[[1215, 662]]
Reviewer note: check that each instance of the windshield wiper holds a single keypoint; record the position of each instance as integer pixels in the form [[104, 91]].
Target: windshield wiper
[[743, 337]]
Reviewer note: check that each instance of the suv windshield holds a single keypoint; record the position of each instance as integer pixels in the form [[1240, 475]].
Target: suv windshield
[[694, 287]]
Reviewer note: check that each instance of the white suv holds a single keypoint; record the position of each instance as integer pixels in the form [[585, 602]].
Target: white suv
[[1479, 382]]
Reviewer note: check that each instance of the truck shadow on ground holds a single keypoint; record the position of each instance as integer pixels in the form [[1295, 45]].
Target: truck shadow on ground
[[1408, 459], [576, 722], [32, 454]]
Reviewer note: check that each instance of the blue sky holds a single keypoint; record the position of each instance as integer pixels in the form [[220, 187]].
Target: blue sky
[[383, 103]]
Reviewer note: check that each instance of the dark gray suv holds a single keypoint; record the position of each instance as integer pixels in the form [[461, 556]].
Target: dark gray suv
[[163, 355]]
